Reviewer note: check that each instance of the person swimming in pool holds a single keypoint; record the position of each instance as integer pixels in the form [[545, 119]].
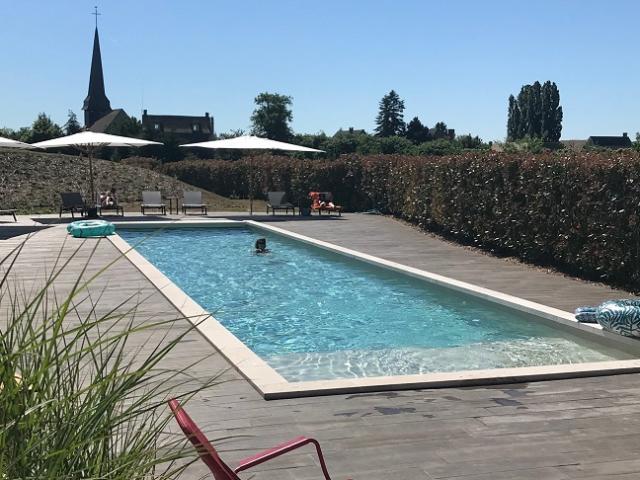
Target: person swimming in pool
[[261, 246]]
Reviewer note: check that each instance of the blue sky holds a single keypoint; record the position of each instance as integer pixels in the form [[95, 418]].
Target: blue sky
[[455, 61]]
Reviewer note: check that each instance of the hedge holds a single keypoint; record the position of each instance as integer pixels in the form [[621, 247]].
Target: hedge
[[576, 212]]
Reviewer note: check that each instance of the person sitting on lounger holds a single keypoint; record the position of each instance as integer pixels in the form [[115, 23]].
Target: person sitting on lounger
[[108, 199], [261, 246]]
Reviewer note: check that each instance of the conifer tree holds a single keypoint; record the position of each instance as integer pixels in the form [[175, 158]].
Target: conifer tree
[[390, 119], [72, 126], [417, 132], [440, 131]]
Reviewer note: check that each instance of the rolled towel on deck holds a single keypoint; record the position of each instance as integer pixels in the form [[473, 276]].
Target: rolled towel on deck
[[618, 316], [586, 314]]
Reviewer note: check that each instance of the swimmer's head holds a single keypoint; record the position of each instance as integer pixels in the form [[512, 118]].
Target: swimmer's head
[[261, 244]]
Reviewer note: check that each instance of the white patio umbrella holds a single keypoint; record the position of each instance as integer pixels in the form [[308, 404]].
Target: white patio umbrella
[[250, 142], [9, 143], [88, 141]]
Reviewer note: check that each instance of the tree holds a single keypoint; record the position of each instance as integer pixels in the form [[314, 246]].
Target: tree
[[72, 126], [127, 127], [469, 142], [440, 131], [7, 132], [43, 128], [390, 119], [551, 112], [513, 120], [535, 114], [395, 145], [272, 116], [417, 132], [231, 134]]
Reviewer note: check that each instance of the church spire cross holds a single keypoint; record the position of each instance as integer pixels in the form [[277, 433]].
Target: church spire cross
[[96, 14]]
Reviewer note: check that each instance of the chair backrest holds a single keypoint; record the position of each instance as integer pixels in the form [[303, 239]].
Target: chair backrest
[[326, 197], [206, 451], [151, 198], [193, 198], [276, 198], [72, 199]]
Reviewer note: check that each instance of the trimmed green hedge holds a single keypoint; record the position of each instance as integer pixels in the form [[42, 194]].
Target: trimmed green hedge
[[576, 212]]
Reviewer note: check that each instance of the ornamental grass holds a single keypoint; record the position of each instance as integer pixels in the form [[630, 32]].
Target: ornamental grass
[[83, 388]]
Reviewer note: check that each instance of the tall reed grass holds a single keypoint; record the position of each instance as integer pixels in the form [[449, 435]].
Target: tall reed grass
[[82, 384]]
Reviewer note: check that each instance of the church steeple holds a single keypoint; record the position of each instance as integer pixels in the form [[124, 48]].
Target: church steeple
[[96, 105]]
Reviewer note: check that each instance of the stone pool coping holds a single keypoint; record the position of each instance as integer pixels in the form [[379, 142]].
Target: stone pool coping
[[271, 385]]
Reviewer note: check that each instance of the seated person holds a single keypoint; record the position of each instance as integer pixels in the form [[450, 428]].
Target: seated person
[[108, 199], [315, 200], [261, 245]]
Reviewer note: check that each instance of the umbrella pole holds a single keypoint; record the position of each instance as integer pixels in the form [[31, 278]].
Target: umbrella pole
[[92, 209], [92, 186], [250, 186]]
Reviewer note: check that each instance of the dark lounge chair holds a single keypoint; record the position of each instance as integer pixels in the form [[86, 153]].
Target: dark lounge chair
[[193, 200], [72, 202], [152, 200], [278, 201], [220, 470], [9, 211]]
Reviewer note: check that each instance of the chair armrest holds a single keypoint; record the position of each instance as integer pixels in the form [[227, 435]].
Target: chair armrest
[[278, 450]]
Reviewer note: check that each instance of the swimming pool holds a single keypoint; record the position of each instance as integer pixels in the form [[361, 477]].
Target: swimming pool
[[314, 315]]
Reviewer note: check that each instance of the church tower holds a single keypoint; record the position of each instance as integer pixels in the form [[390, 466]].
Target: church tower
[[96, 105]]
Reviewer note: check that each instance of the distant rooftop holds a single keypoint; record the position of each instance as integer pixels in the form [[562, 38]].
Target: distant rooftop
[[179, 124], [599, 141], [112, 118], [610, 141]]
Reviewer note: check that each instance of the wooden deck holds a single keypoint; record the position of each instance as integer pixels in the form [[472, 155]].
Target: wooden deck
[[563, 429]]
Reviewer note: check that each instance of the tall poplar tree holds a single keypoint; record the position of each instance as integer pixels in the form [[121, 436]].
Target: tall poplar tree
[[513, 120], [535, 113], [552, 112], [390, 119]]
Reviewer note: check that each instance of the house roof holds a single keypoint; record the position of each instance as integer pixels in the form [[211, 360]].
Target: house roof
[[178, 123], [622, 141], [351, 131], [103, 123]]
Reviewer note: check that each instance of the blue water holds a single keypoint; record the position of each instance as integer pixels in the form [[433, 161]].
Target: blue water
[[313, 314]]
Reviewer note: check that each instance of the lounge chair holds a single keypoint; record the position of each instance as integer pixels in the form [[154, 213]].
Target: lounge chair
[[152, 200], [220, 470], [278, 201], [119, 209], [9, 211], [323, 202], [72, 202], [193, 200]]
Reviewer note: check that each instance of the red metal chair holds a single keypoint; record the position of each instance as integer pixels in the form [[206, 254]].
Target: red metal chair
[[220, 469]]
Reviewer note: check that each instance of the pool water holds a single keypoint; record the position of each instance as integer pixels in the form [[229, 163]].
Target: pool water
[[312, 314]]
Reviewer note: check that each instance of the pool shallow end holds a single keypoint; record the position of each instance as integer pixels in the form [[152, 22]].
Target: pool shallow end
[[272, 385], [447, 379]]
